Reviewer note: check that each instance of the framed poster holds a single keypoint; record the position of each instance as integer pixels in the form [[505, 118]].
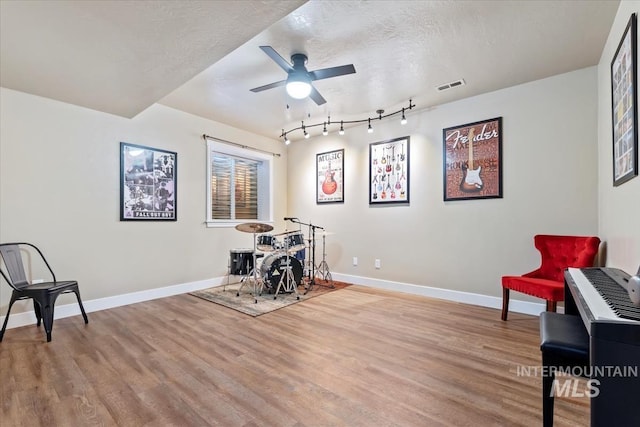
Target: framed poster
[[389, 171], [624, 107], [330, 177], [147, 183], [473, 160]]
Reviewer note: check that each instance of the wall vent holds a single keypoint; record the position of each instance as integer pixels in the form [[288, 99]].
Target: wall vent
[[450, 85]]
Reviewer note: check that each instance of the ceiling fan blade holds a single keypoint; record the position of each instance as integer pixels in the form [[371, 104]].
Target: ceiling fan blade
[[315, 95], [269, 86], [283, 63], [326, 73]]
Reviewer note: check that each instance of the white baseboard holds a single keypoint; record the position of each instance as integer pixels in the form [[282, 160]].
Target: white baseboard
[[72, 309], [517, 306]]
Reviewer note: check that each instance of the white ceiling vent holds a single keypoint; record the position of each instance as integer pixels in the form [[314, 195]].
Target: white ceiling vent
[[450, 85]]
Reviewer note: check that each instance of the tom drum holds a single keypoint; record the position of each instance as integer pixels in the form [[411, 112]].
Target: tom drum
[[294, 241], [266, 242]]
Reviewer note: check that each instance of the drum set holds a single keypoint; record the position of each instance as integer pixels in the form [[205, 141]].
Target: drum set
[[277, 263]]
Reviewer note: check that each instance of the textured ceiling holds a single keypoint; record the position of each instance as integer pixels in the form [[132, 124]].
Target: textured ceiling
[[121, 57]]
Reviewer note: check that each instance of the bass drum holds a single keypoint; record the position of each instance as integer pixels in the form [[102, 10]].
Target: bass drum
[[274, 266]]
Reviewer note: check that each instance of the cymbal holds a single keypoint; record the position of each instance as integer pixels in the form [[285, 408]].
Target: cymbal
[[286, 232], [254, 227]]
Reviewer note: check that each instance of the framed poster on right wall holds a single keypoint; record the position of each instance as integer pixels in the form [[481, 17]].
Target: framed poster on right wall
[[472, 158], [624, 106]]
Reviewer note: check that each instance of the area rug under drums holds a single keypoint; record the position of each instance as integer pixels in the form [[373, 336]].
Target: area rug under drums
[[245, 303]]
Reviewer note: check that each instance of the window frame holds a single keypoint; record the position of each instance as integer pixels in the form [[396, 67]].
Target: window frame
[[217, 146]]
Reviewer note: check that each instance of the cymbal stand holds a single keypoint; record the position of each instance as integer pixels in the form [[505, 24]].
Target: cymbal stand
[[252, 276], [287, 281], [323, 269]]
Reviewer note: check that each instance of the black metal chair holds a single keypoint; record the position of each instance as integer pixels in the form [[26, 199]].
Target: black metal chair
[[44, 294]]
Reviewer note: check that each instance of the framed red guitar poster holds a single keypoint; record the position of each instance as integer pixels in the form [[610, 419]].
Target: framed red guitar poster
[[389, 171], [473, 160], [330, 177]]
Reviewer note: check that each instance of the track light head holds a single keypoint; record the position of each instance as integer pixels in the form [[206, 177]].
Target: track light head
[[324, 130], [341, 131], [403, 121], [370, 129]]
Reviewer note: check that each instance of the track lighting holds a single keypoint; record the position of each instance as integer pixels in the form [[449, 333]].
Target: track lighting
[[328, 122]]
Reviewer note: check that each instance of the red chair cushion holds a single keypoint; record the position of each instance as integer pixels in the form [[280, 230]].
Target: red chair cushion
[[541, 288]]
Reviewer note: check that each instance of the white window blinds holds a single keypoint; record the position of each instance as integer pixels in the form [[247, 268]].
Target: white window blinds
[[234, 187]]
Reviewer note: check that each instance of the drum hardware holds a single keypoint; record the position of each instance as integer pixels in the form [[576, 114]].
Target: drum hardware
[[252, 277], [287, 280], [323, 268], [312, 248]]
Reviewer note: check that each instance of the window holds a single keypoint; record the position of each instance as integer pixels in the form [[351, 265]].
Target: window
[[238, 185]]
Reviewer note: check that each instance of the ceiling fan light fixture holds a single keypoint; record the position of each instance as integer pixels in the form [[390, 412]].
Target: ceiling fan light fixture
[[298, 86]]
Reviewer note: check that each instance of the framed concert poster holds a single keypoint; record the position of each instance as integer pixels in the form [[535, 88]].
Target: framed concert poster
[[330, 177], [389, 171], [473, 160], [624, 107], [148, 183]]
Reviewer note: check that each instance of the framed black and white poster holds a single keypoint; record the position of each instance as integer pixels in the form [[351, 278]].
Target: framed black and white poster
[[389, 171], [147, 183], [330, 177], [624, 106]]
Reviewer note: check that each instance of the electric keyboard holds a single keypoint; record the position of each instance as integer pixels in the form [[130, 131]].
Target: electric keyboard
[[599, 296], [605, 289]]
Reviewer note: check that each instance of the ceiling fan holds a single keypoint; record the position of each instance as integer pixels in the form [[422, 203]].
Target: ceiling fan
[[298, 82]]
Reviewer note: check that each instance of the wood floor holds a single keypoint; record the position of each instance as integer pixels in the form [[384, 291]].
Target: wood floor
[[354, 357]]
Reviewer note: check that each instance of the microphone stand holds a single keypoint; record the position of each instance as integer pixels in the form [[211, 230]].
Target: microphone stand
[[312, 272]]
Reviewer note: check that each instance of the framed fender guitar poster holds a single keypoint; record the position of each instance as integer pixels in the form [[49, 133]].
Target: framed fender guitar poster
[[330, 177], [472, 156]]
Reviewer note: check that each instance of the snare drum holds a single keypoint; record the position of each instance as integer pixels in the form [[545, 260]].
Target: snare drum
[[266, 242], [241, 261], [294, 241]]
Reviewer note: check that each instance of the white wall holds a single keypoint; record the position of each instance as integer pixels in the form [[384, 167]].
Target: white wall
[[549, 186], [59, 189], [619, 207]]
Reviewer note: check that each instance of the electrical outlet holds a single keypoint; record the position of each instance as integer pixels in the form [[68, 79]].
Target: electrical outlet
[[377, 263], [355, 260]]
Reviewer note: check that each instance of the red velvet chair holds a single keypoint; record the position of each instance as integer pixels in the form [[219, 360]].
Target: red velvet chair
[[558, 253]]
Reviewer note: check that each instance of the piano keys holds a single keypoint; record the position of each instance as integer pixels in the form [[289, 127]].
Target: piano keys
[[597, 295]]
